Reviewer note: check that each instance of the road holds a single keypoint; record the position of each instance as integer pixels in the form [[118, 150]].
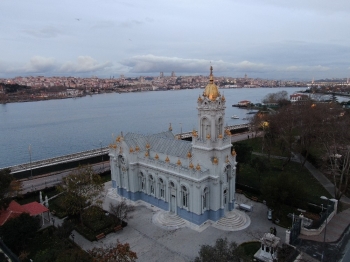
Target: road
[[53, 179]]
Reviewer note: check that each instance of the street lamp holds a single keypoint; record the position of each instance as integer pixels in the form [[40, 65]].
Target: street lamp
[[30, 160], [325, 227]]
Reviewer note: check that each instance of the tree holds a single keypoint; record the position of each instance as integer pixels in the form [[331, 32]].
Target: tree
[[81, 188], [280, 98], [6, 187], [222, 251], [16, 232], [121, 211], [111, 253], [334, 137]]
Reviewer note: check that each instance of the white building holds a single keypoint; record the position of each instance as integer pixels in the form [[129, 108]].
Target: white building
[[195, 180]]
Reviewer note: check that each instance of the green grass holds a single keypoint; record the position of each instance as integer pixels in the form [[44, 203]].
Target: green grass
[[65, 250]]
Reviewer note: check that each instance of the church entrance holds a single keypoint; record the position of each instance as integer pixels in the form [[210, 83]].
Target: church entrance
[[173, 204], [226, 200]]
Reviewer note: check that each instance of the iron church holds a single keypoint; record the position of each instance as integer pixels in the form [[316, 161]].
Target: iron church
[[193, 180]]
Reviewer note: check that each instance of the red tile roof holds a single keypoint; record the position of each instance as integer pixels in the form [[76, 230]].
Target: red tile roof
[[14, 210]]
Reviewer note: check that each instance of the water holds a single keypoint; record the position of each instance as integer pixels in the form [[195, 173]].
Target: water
[[59, 127]]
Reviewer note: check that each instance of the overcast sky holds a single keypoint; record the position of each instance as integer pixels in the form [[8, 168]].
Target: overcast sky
[[279, 39]]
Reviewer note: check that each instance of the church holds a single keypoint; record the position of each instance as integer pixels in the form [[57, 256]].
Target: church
[[193, 179]]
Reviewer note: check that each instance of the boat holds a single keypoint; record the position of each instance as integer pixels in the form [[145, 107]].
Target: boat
[[234, 117]]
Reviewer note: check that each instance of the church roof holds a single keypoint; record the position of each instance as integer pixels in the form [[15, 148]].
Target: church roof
[[164, 143]]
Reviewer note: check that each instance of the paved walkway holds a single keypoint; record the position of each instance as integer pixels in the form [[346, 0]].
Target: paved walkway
[[153, 243]]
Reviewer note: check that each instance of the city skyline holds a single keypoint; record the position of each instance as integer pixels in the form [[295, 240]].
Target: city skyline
[[264, 39]]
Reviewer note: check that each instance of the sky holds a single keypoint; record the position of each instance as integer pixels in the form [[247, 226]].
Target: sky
[[270, 39]]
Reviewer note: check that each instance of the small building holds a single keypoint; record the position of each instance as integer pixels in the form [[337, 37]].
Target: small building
[[244, 103], [268, 251], [33, 209], [298, 97]]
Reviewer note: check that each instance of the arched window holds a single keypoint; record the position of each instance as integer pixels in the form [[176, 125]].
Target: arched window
[[205, 128], [142, 182], [225, 196], [220, 126], [205, 199], [161, 188], [151, 185], [184, 193]]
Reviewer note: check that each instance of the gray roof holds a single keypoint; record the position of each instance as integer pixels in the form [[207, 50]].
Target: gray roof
[[164, 143]]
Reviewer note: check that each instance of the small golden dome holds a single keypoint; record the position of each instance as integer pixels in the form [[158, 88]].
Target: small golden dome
[[215, 161], [199, 99], [208, 136], [148, 146], [167, 159], [220, 136], [131, 150], [227, 161], [223, 99], [170, 128], [118, 139], [114, 146], [178, 162], [146, 154], [191, 166], [137, 149], [211, 90], [156, 156], [228, 132], [189, 155], [233, 152], [194, 133], [198, 167]]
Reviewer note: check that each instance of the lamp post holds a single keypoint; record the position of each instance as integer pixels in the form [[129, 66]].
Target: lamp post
[[101, 154], [325, 227], [30, 160]]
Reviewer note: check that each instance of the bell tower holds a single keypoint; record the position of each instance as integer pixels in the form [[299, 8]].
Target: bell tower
[[211, 113]]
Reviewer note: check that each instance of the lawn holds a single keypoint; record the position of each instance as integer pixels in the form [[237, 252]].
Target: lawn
[[47, 246], [249, 249]]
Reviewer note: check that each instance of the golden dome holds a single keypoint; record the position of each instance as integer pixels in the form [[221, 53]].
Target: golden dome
[[223, 99], [189, 155], [167, 159], [137, 149], [211, 90], [156, 156], [208, 136], [170, 128], [220, 136], [234, 152], [215, 161], [198, 167], [148, 146], [227, 161], [178, 162], [131, 150], [118, 139], [228, 132], [146, 154], [199, 99], [191, 166]]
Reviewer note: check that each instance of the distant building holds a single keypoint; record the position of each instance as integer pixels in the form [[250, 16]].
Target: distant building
[[193, 180], [244, 103], [298, 97]]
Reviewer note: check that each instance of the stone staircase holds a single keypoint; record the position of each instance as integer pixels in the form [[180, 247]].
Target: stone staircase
[[168, 220], [233, 221]]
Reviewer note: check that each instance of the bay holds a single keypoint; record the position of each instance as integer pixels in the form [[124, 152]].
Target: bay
[[58, 127]]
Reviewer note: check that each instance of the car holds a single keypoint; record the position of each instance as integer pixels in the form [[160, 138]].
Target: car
[[269, 214]]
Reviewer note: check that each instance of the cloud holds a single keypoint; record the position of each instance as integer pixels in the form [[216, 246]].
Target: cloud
[[155, 64], [317, 68], [46, 32], [130, 23], [39, 64], [84, 64]]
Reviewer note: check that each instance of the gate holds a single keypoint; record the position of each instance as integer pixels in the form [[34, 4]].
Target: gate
[[295, 230]]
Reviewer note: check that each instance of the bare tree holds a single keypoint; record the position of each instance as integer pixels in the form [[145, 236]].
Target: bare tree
[[335, 139], [121, 211], [111, 253]]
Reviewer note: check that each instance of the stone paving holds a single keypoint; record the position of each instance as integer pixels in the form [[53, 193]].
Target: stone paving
[[153, 243]]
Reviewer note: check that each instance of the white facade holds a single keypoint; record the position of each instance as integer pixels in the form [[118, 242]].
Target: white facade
[[195, 180]]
